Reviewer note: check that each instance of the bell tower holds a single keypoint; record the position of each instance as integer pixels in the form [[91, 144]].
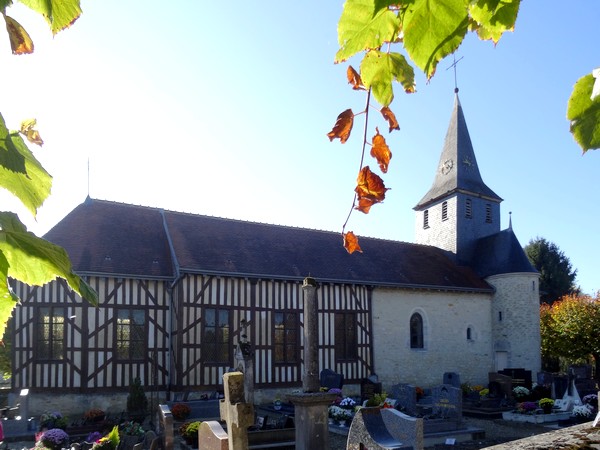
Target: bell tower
[[459, 208]]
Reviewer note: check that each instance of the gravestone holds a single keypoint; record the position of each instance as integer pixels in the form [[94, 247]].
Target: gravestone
[[406, 396], [544, 378], [369, 387], [235, 412], [451, 378], [384, 429], [212, 436], [560, 384], [447, 402], [330, 379], [520, 377], [502, 384]]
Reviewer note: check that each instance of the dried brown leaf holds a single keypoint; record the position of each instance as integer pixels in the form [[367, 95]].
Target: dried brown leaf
[[390, 117], [351, 242], [380, 151], [342, 127]]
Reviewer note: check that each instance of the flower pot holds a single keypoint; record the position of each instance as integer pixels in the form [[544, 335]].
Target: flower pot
[[547, 409]]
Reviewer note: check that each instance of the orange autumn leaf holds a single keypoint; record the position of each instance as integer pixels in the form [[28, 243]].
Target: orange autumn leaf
[[369, 188], [342, 127], [390, 117], [364, 205], [354, 79], [351, 242], [380, 151], [20, 42]]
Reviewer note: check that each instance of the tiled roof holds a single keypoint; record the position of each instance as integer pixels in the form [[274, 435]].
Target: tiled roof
[[117, 239], [501, 253]]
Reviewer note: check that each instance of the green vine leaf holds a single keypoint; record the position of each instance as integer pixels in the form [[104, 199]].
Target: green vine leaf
[[8, 299], [379, 69], [584, 113], [59, 14], [434, 29], [494, 17], [20, 172], [363, 27], [34, 260]]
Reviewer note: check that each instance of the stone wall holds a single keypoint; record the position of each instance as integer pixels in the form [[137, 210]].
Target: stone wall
[[516, 319], [446, 318]]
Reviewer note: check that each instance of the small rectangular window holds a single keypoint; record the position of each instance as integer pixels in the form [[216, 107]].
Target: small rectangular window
[[131, 334], [346, 343], [445, 211], [216, 339], [468, 208], [286, 337], [426, 218], [51, 333]]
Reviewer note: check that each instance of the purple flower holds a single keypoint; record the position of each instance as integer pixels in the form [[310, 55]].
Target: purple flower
[[335, 391], [93, 436], [55, 438]]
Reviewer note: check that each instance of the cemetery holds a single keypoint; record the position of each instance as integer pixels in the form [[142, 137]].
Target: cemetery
[[369, 415]]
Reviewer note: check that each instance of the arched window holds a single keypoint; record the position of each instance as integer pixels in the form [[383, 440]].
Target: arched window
[[469, 334], [416, 331]]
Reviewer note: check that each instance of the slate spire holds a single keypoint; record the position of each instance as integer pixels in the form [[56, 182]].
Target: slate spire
[[457, 170]]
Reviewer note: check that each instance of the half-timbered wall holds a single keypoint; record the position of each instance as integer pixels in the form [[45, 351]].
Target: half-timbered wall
[[90, 361], [256, 302]]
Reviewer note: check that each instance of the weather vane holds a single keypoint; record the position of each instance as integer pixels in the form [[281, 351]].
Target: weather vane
[[453, 66]]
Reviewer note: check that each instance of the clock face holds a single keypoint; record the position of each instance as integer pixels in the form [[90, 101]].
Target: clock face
[[447, 166]]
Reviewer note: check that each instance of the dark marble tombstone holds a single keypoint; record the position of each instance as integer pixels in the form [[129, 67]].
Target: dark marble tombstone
[[330, 379], [503, 381], [581, 371], [560, 384], [447, 402], [544, 378], [369, 388], [520, 377], [406, 396], [451, 378]]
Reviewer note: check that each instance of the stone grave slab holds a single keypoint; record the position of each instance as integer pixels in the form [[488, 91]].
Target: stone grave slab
[[406, 397], [330, 379]]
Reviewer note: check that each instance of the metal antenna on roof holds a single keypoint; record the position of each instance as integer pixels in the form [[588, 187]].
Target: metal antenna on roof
[[453, 66], [88, 178]]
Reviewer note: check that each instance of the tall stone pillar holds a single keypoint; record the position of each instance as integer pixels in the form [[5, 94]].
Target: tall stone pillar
[[310, 406], [310, 382]]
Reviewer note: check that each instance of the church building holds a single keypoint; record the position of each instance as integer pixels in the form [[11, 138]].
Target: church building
[[177, 291]]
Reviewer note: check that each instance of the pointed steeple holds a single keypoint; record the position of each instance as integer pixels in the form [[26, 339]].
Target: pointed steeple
[[458, 170]]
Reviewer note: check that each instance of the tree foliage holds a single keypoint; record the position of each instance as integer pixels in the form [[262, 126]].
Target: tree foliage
[[557, 276], [24, 256], [570, 328], [391, 34]]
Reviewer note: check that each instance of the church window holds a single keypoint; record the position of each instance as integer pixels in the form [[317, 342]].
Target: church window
[[445, 211], [416, 331], [346, 344], [488, 213], [131, 334], [286, 329], [426, 218], [469, 334], [469, 209], [216, 336], [499, 316], [51, 333]]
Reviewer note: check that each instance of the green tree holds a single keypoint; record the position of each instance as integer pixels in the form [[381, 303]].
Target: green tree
[[557, 276], [570, 328], [24, 256]]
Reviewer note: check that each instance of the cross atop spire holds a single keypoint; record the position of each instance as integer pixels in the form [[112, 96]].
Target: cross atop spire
[[453, 66]]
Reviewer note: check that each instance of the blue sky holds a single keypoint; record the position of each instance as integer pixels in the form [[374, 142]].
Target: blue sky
[[222, 108]]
